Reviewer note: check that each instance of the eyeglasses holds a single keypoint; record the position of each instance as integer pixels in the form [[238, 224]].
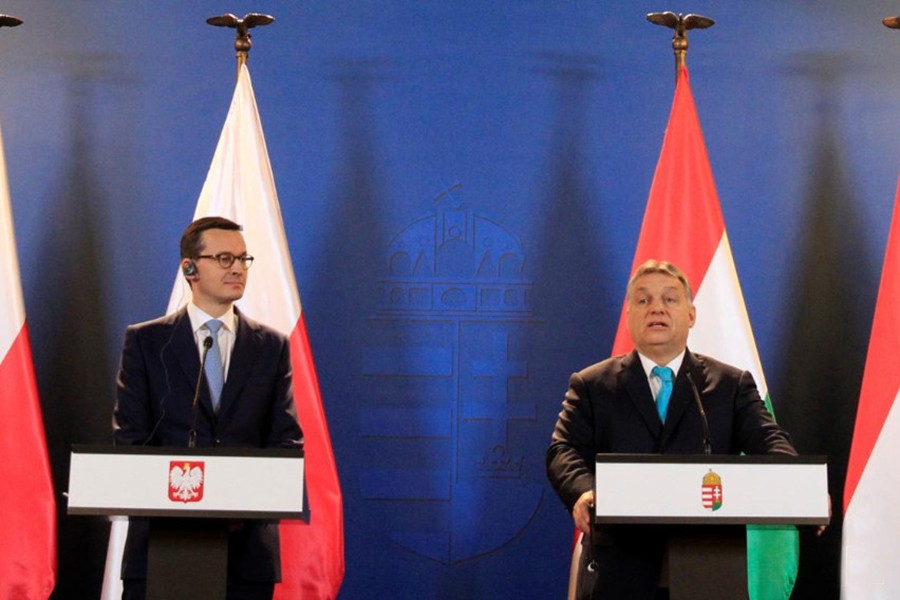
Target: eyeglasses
[[226, 259]]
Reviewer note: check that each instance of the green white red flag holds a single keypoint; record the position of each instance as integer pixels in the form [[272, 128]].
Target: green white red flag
[[683, 224]]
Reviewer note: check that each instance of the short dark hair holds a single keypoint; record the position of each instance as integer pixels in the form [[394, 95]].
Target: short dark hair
[[192, 238], [664, 268]]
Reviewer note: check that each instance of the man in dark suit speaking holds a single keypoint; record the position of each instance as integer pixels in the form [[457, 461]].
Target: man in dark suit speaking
[[245, 398], [643, 402]]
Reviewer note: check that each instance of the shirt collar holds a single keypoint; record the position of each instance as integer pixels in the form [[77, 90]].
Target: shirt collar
[[199, 318], [674, 364]]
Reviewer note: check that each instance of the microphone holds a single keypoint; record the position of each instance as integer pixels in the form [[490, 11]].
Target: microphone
[[207, 344], [707, 443]]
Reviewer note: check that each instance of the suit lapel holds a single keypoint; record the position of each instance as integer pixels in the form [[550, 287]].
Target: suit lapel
[[243, 357], [634, 381], [187, 354], [184, 348], [682, 394]]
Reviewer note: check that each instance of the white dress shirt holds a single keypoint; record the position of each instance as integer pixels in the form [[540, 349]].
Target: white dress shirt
[[226, 337], [654, 381]]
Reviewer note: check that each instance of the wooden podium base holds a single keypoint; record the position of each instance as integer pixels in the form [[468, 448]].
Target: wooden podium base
[[187, 559], [708, 562]]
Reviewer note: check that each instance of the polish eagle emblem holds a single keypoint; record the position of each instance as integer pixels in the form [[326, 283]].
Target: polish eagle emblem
[[186, 481]]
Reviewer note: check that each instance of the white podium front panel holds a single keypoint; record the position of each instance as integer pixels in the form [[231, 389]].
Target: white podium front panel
[[711, 489], [201, 482]]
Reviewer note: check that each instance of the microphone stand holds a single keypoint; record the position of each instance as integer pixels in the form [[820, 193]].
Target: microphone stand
[[707, 443], [192, 439]]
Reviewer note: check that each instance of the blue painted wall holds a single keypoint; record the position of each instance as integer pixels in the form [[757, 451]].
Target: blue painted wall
[[462, 185]]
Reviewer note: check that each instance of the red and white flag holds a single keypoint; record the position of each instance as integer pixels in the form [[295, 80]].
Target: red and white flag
[[683, 224], [240, 186], [28, 537], [871, 534]]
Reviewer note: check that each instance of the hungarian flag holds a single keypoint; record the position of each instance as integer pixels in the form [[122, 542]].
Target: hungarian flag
[[240, 186], [28, 537], [683, 224], [871, 535]]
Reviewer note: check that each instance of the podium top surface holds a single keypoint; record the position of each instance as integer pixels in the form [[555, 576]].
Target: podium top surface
[[746, 459], [185, 451]]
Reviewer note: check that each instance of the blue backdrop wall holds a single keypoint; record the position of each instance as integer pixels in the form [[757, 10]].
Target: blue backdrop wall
[[508, 144]]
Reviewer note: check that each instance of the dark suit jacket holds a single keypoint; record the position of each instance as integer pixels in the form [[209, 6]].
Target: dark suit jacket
[[609, 408], [155, 388]]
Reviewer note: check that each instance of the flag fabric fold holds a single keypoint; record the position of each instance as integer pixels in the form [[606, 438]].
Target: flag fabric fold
[[28, 540], [683, 224], [872, 489], [240, 186]]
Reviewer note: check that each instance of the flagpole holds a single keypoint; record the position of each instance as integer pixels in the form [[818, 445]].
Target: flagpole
[[243, 26], [681, 24]]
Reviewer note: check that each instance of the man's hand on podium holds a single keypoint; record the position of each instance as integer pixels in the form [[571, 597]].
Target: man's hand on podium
[[583, 512]]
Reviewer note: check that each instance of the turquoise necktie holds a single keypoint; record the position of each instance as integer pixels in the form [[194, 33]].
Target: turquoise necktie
[[215, 375], [665, 392]]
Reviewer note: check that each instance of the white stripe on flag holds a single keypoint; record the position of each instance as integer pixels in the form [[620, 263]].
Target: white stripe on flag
[[12, 307], [723, 330], [871, 537]]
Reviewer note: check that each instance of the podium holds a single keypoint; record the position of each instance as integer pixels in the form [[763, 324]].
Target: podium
[[705, 502], [191, 497]]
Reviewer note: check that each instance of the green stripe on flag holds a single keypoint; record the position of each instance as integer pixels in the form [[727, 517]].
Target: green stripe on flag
[[773, 555]]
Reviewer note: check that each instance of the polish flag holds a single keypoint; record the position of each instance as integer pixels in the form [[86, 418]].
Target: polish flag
[[871, 534], [240, 186], [28, 537], [683, 224]]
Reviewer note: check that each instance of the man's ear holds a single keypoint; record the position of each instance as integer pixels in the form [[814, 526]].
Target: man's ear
[[189, 269]]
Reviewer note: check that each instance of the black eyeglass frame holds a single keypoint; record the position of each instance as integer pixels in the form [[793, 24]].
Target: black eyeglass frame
[[226, 259]]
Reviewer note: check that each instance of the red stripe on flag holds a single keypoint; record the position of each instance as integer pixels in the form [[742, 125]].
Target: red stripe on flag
[[28, 539], [881, 379], [683, 223], [312, 555]]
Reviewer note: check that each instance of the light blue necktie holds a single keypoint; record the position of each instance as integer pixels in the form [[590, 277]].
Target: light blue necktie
[[215, 376], [665, 392]]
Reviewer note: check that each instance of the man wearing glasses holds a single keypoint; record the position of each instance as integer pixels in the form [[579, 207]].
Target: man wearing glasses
[[244, 399]]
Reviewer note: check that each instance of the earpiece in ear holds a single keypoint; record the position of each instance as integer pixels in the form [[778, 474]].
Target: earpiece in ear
[[189, 269]]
